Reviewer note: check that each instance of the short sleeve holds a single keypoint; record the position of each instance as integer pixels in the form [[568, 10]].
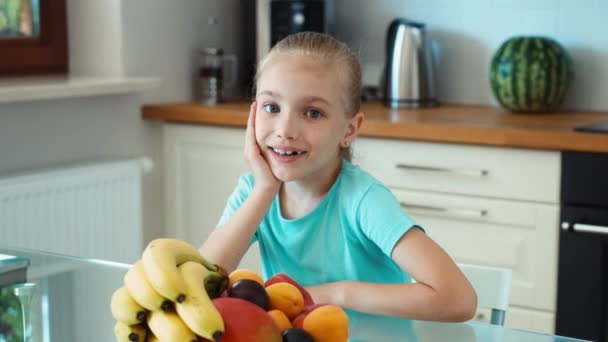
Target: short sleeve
[[382, 219], [236, 199]]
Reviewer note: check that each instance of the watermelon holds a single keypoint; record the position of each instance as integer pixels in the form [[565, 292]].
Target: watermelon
[[530, 74]]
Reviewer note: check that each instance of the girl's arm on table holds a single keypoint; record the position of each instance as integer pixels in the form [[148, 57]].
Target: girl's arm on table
[[441, 291], [227, 245]]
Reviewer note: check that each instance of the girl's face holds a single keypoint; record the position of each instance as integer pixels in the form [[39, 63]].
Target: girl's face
[[300, 118]]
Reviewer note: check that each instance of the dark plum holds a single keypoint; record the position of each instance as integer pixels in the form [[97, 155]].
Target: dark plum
[[250, 290], [296, 335]]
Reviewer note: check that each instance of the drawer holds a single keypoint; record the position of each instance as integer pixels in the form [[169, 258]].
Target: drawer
[[508, 173], [492, 232]]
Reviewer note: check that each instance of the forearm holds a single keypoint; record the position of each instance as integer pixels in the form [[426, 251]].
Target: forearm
[[414, 301], [227, 245]]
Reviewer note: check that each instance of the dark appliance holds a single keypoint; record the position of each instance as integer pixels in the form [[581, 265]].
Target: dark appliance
[[582, 294], [265, 22], [288, 17]]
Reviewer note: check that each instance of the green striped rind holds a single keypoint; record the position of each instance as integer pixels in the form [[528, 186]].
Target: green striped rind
[[530, 74]]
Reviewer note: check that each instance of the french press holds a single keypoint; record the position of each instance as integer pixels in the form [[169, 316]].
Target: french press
[[210, 81]]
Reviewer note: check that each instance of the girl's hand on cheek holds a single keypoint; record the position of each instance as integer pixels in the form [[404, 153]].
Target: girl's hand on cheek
[[258, 165]]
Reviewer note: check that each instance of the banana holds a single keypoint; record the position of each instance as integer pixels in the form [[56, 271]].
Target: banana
[[130, 333], [152, 338], [125, 309], [198, 311], [168, 327], [161, 258], [142, 292]]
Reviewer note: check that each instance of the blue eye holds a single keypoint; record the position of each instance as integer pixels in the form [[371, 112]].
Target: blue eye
[[314, 114], [270, 108]]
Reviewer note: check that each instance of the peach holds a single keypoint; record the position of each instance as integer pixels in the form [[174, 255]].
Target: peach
[[285, 297], [324, 322], [284, 278], [246, 322], [298, 321], [280, 319]]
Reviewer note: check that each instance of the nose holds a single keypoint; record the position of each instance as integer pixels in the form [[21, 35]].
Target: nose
[[287, 126]]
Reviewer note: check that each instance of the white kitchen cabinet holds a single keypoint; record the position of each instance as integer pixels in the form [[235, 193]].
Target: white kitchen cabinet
[[484, 205], [202, 166]]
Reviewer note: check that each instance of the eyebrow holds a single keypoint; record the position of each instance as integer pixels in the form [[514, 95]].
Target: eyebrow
[[269, 93], [307, 99]]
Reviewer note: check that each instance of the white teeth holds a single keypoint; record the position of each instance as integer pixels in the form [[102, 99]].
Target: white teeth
[[285, 153]]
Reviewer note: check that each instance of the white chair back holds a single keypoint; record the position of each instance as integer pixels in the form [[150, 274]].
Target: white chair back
[[493, 287]]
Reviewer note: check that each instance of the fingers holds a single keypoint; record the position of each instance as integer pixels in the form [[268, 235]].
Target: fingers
[[250, 133]]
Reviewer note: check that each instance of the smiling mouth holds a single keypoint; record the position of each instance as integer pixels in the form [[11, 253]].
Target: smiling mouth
[[284, 153]]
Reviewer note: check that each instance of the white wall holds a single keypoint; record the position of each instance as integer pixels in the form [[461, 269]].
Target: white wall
[[141, 38], [468, 32]]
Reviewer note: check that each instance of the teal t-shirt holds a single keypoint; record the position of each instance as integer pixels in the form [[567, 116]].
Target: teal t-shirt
[[349, 236]]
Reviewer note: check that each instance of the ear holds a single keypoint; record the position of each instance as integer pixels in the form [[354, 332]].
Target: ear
[[353, 127]]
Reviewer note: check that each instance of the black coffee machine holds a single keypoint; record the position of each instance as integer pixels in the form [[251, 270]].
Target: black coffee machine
[[265, 22]]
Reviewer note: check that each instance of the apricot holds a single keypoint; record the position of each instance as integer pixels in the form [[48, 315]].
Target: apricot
[[243, 273], [280, 319], [284, 278], [327, 323], [298, 321], [285, 297]]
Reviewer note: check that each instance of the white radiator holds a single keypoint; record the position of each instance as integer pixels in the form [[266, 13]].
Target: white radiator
[[89, 210]]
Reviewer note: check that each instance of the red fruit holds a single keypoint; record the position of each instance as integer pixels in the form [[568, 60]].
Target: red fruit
[[284, 278], [246, 322]]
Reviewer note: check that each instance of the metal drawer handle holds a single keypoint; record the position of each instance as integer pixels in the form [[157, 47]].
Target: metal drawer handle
[[465, 172], [466, 213], [586, 228]]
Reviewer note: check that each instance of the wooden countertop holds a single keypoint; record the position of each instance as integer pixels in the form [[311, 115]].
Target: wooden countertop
[[465, 124]]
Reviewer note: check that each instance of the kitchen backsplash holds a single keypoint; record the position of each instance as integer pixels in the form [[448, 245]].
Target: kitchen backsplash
[[465, 34]]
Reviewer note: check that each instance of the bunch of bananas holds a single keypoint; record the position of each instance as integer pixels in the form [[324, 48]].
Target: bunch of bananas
[[167, 296]]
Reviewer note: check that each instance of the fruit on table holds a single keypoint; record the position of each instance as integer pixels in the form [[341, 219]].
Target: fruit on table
[[284, 278], [168, 326], [298, 321], [296, 335], [125, 309], [280, 319], [246, 322], [250, 290], [141, 290], [161, 258], [243, 273], [170, 271], [130, 333], [218, 284], [325, 323], [285, 297], [530, 74], [197, 311]]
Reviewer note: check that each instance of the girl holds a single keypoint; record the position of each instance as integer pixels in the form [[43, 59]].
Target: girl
[[319, 218]]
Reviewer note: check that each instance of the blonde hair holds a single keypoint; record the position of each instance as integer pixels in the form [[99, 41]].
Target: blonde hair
[[323, 48]]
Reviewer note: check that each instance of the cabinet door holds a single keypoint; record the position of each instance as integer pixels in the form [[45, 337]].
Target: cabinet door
[[202, 166], [535, 320]]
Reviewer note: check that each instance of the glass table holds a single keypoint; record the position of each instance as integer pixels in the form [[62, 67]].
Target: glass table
[[71, 302]]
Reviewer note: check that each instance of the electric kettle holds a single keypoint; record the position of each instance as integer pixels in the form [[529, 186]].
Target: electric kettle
[[408, 73]]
